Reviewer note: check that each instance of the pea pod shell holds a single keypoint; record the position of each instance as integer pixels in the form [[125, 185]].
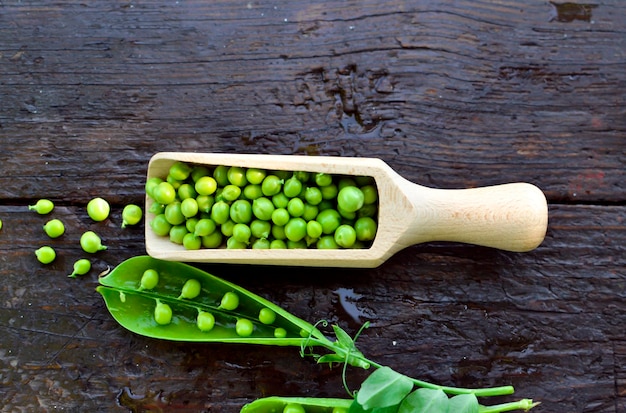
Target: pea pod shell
[[311, 404], [133, 308]]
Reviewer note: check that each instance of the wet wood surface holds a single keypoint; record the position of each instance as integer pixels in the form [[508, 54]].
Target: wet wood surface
[[450, 94]]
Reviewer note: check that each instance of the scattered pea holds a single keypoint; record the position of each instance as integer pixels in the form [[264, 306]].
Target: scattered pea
[[191, 289], [43, 206], [81, 267], [149, 279], [98, 209], [131, 215], [91, 242], [54, 228], [244, 327], [230, 301], [45, 254], [162, 313]]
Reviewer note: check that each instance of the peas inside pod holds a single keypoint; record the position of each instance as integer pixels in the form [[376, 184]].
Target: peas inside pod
[[201, 206]]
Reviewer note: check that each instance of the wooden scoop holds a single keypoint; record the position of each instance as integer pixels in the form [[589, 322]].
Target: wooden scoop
[[510, 217]]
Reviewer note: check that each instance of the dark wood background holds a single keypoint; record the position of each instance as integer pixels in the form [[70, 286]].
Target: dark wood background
[[452, 94]]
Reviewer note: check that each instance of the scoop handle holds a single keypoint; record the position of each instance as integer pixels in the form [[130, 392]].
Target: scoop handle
[[512, 217]]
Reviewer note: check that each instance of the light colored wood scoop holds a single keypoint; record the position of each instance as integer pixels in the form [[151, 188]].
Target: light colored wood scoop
[[510, 217]]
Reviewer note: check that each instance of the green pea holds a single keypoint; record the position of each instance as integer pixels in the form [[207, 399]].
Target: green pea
[[262, 208], [198, 172], [191, 242], [54, 228], [204, 226], [205, 202], [242, 233], [241, 211], [149, 279], [152, 183], [260, 228], [329, 191], [323, 179], [244, 327], [349, 215], [189, 207], [327, 242], [205, 321], [230, 192], [278, 232], [177, 233], [162, 313], [278, 244], [295, 229], [271, 185], [365, 228], [131, 215], [255, 176], [302, 176], [191, 289], [206, 185], [345, 181], [252, 192], [267, 315], [156, 208], [45, 254], [164, 193], [186, 191], [220, 173], [261, 244], [314, 229], [345, 236], [339, 410], [81, 267], [0, 224], [313, 195], [310, 212], [191, 223], [180, 171], [234, 244], [227, 228], [42, 207], [98, 209], [280, 200], [174, 213], [280, 332], [237, 176], [300, 244], [220, 212], [280, 216], [370, 194], [230, 301], [213, 240], [295, 207], [160, 225], [292, 187], [330, 219], [350, 198], [368, 210], [293, 408], [91, 242]]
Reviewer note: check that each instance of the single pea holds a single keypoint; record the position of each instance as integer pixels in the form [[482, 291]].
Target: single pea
[[262, 208], [255, 176], [244, 327], [310, 212], [152, 183], [278, 232], [199, 171], [162, 313], [346, 181], [174, 213], [233, 244], [206, 185], [260, 228], [230, 192], [322, 179], [271, 185], [81, 267], [278, 244], [292, 187], [213, 240], [368, 210], [205, 202], [191, 223], [131, 215], [295, 207], [156, 208], [205, 321], [230, 301], [45, 254], [54, 228], [329, 191], [164, 193], [42, 207], [220, 212], [185, 191], [300, 244], [327, 242], [280, 216], [267, 315], [177, 233], [280, 200], [180, 171], [350, 198], [191, 289], [227, 228], [314, 229], [237, 176], [295, 229], [191, 242], [98, 209], [149, 279], [241, 211], [293, 408], [348, 215], [204, 226], [91, 242], [330, 219], [365, 228], [160, 225], [313, 195], [252, 192], [220, 173], [370, 194], [345, 236], [242, 233], [280, 332], [189, 207], [261, 244], [302, 176]]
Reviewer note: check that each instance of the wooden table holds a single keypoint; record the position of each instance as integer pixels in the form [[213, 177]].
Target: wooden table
[[452, 94]]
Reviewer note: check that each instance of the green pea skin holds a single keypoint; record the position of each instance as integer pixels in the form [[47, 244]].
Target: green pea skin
[[98, 209], [198, 172], [162, 313], [164, 193], [255, 176], [220, 212], [177, 234], [191, 242], [242, 233], [205, 321], [350, 198], [0, 224], [252, 192], [244, 327], [191, 289], [345, 236], [206, 185], [234, 244], [327, 242], [186, 191], [160, 225], [313, 195], [230, 301], [237, 176], [149, 279], [365, 228], [278, 244], [280, 332], [42, 207], [174, 213], [54, 228], [295, 207], [230, 192], [241, 211], [91, 242], [292, 187], [261, 244], [152, 183], [45, 254], [260, 228], [189, 207], [81, 267], [271, 185], [267, 315], [204, 227], [131, 215], [213, 240], [295, 229], [262, 208], [280, 216], [180, 171], [220, 173], [330, 219]]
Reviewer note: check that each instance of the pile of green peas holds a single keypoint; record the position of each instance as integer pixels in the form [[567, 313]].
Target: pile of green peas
[[232, 207], [205, 321]]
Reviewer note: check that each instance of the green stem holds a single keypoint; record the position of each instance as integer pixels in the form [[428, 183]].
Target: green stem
[[524, 404]]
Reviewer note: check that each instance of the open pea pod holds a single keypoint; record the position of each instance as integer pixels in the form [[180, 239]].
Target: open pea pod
[[133, 306], [308, 404]]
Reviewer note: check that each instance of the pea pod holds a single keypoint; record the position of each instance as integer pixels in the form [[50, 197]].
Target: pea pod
[[133, 307], [310, 404]]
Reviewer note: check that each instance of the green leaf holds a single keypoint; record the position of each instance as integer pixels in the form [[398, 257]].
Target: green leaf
[[384, 387], [463, 403], [425, 401], [343, 339]]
